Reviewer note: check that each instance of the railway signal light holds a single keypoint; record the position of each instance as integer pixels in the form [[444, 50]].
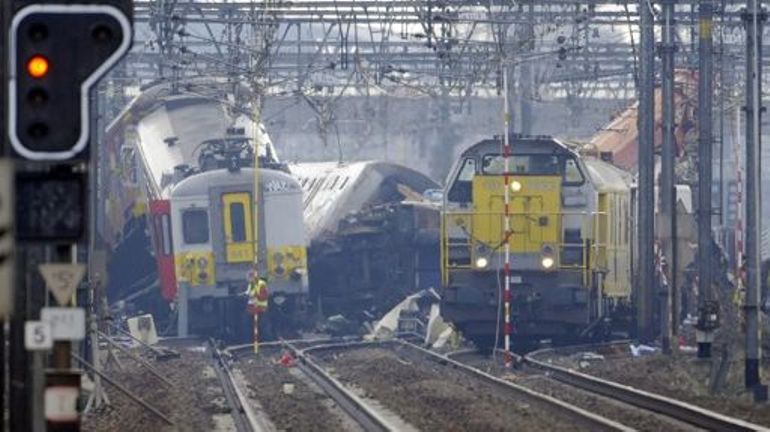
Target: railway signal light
[[37, 66], [57, 53]]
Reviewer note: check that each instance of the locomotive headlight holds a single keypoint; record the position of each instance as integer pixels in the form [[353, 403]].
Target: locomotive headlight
[[516, 186], [482, 262], [203, 263], [297, 273], [547, 260]]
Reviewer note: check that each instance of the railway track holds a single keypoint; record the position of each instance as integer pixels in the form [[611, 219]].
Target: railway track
[[584, 418], [676, 409], [309, 353], [541, 381], [243, 416], [359, 413], [354, 406]]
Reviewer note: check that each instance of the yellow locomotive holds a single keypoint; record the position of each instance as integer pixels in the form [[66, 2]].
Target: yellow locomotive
[[570, 219]]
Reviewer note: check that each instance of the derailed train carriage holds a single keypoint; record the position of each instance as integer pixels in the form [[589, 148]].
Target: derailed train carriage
[[181, 186], [374, 237], [570, 242]]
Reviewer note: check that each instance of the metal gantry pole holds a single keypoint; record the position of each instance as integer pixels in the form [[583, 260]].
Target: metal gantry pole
[[646, 180], [705, 167], [754, 23], [526, 78], [667, 191], [19, 374]]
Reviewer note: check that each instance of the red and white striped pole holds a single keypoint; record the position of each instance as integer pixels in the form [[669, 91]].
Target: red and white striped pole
[[739, 246], [256, 333], [508, 358]]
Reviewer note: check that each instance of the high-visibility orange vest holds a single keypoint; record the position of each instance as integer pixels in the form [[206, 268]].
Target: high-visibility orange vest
[[258, 296]]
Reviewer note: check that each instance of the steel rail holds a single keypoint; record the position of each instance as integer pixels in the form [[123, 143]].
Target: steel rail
[[248, 5], [595, 422], [237, 350], [243, 415], [124, 390], [354, 406], [358, 410], [673, 408]]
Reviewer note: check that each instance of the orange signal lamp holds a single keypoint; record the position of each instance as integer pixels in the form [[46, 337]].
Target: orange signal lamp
[[37, 66]]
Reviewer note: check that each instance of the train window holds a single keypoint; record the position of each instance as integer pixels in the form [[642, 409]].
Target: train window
[[572, 174], [238, 222], [539, 164], [344, 182], [130, 169], [165, 234], [195, 226], [462, 187]]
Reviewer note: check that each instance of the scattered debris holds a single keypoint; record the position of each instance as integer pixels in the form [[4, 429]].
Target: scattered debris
[[444, 338], [591, 356], [287, 360], [641, 350], [142, 328], [339, 325], [586, 358], [436, 325], [411, 315]]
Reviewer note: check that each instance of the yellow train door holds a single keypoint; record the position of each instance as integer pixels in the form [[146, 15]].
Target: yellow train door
[[239, 227]]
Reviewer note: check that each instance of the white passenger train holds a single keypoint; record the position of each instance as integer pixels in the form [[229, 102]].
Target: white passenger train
[[181, 168]]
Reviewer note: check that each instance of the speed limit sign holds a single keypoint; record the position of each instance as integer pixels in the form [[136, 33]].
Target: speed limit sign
[[38, 335]]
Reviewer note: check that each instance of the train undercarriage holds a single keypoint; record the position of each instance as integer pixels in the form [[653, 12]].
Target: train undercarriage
[[554, 307], [227, 318]]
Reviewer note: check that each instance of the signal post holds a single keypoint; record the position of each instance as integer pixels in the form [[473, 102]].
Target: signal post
[[57, 50]]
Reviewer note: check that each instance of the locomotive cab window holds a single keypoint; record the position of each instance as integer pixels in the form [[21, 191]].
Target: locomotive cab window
[[195, 226], [462, 187], [540, 164], [572, 176], [535, 165]]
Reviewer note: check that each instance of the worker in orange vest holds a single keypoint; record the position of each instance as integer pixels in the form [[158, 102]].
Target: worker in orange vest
[[258, 295]]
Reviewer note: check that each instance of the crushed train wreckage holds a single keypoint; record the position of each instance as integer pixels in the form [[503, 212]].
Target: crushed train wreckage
[[374, 237]]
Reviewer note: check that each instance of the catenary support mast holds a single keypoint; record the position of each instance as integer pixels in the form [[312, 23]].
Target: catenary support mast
[[667, 191], [646, 179], [705, 168], [754, 25]]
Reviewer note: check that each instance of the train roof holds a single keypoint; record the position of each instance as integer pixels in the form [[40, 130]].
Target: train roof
[[272, 182], [520, 144], [170, 128], [607, 177], [333, 190]]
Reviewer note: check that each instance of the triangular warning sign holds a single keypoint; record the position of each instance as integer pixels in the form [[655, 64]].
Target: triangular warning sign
[[62, 279]]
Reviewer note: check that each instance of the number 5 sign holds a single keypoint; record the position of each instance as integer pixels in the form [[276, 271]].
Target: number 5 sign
[[38, 335]]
